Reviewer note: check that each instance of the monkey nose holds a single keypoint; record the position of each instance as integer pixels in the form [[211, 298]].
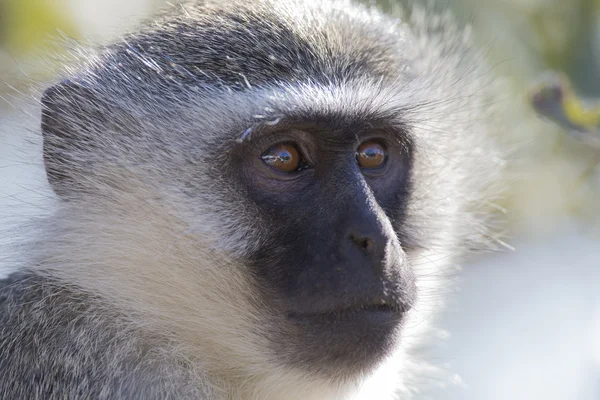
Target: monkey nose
[[366, 247]]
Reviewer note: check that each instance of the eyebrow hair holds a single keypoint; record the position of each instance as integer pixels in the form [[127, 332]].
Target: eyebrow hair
[[328, 121]]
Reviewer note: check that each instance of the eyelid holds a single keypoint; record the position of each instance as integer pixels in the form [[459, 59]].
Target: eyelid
[[302, 140]]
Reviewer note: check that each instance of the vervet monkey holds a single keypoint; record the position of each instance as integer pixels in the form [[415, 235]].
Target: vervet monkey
[[258, 200]]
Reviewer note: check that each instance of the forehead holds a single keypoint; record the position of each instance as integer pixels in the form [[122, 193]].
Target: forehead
[[239, 47], [333, 111], [227, 68]]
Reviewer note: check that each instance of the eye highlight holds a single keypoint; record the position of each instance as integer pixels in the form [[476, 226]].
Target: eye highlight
[[371, 155], [283, 157]]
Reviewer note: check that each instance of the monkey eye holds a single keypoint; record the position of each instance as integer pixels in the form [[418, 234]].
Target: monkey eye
[[284, 157], [371, 155]]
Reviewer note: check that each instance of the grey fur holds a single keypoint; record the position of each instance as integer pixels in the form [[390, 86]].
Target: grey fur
[[133, 282], [63, 346]]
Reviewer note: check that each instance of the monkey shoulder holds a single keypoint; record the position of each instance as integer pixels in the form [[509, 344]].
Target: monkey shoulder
[[56, 343]]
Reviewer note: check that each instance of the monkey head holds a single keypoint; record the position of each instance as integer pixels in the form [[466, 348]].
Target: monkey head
[[263, 184]]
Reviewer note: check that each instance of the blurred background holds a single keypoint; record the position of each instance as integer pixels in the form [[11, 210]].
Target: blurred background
[[526, 322]]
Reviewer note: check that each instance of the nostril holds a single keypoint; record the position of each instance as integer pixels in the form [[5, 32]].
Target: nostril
[[365, 243]]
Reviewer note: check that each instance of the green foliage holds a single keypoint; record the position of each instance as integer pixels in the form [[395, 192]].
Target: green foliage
[[29, 24]]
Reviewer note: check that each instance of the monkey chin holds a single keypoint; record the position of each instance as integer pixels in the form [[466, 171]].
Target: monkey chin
[[345, 343]]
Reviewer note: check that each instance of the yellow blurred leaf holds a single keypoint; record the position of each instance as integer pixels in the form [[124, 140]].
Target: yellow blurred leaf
[[31, 24]]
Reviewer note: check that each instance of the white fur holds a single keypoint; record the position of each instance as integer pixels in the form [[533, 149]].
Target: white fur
[[159, 257]]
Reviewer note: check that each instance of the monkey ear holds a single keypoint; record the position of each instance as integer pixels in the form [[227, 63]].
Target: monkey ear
[[71, 116]]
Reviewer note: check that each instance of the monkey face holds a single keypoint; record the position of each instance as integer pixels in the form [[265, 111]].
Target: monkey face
[[330, 262]]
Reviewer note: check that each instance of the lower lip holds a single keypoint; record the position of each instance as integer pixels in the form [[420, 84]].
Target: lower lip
[[373, 315]]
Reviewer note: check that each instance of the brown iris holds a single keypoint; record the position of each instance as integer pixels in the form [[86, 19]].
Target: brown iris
[[371, 155], [283, 157]]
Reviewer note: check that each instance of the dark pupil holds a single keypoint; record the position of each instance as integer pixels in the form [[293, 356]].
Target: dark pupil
[[371, 155], [283, 157], [371, 152]]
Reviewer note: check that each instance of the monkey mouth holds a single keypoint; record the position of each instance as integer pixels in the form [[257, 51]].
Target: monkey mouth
[[344, 336], [382, 307]]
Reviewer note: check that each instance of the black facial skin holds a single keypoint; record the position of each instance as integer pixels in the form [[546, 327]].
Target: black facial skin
[[332, 254]]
